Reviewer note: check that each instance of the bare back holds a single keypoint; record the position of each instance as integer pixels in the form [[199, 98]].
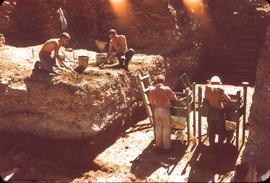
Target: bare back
[[50, 45], [214, 95]]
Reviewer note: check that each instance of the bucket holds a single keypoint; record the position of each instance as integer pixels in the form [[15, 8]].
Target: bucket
[[83, 61], [178, 122], [101, 58]]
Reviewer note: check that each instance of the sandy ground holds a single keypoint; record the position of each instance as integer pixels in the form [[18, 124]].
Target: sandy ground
[[133, 158]]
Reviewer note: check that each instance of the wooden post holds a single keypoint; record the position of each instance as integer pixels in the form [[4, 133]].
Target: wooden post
[[194, 108], [199, 115], [245, 85], [237, 131], [187, 115]]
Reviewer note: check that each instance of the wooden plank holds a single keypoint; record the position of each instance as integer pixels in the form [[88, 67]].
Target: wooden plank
[[144, 89], [194, 107], [144, 77], [199, 113]]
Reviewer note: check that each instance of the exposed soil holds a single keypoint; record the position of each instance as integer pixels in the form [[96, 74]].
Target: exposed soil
[[119, 154]]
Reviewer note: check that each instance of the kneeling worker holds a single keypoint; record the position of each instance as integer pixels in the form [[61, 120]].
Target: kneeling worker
[[47, 61], [216, 97], [118, 43], [160, 97]]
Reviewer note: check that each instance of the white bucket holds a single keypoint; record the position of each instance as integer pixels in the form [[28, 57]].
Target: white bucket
[[83, 60], [101, 58]]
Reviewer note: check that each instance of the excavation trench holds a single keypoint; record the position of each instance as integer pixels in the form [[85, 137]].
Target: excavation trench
[[65, 121], [50, 122], [46, 158]]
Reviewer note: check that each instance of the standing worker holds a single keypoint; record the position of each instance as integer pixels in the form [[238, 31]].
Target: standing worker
[[47, 60], [216, 97], [118, 43], [160, 97]]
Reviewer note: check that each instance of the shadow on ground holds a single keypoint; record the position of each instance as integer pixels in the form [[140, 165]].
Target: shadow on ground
[[150, 160], [53, 160], [205, 163]]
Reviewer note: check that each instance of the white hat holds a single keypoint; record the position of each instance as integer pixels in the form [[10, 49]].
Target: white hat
[[215, 80]]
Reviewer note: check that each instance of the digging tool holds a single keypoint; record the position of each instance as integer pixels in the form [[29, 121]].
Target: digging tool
[[83, 63], [68, 57], [73, 71]]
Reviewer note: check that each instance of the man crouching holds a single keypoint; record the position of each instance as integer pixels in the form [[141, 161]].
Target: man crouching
[[118, 43], [47, 61]]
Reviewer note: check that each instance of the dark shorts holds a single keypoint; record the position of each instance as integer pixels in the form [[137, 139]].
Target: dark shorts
[[46, 61], [216, 121], [125, 57]]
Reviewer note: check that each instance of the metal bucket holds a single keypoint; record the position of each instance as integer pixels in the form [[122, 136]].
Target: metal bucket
[[83, 61], [101, 58]]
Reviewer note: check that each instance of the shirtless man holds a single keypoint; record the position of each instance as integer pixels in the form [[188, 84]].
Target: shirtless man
[[47, 61], [215, 98], [160, 97], [118, 44]]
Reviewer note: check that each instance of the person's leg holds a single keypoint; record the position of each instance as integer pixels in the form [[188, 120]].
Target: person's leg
[[211, 132], [128, 54], [37, 65], [166, 130], [46, 63], [120, 59], [221, 128], [158, 129]]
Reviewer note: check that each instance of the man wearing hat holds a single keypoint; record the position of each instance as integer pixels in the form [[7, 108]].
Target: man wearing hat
[[118, 43], [160, 97], [47, 60], [216, 97]]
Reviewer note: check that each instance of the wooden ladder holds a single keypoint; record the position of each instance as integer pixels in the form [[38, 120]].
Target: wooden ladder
[[145, 84]]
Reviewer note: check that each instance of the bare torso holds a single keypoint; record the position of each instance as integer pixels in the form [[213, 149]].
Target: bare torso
[[50, 46], [119, 43]]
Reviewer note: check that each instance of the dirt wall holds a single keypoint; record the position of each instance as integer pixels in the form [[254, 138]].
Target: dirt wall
[[69, 105], [148, 25], [258, 146]]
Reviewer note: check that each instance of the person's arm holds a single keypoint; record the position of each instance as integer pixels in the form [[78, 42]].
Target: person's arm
[[171, 94], [59, 59], [109, 55], [206, 96], [226, 97], [124, 44]]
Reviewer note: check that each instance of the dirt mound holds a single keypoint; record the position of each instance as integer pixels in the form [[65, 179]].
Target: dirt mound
[[68, 105]]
